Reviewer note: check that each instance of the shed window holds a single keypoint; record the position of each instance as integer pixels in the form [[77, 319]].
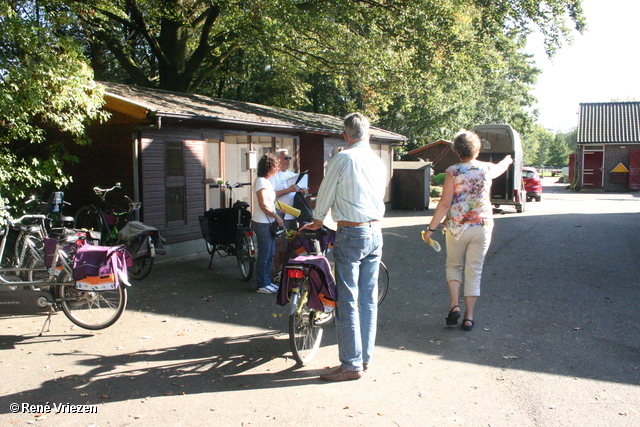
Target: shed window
[[175, 158], [175, 181]]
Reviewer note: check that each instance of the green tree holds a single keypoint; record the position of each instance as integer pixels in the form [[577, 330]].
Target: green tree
[[424, 68], [571, 139], [370, 47], [535, 145], [46, 88], [558, 151]]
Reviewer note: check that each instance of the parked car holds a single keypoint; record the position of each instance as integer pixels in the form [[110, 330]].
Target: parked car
[[532, 183]]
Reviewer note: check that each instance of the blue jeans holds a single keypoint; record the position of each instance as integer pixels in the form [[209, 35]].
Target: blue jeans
[[357, 255], [266, 251]]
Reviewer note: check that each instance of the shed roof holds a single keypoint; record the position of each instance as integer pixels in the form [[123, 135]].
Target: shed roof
[[428, 146], [609, 122], [140, 102], [408, 165]]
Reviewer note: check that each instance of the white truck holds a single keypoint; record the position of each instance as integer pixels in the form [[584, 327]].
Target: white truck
[[499, 140]]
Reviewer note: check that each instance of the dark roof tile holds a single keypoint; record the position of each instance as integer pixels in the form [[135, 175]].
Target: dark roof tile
[[609, 122], [175, 104]]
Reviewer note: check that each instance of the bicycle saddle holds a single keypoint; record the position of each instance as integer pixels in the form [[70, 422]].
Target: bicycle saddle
[[241, 204], [26, 228], [313, 234], [63, 234]]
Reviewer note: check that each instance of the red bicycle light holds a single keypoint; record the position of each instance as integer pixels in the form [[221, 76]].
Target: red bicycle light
[[294, 273], [250, 233]]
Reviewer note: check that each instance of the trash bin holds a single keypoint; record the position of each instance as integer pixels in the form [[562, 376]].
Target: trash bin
[[410, 185]]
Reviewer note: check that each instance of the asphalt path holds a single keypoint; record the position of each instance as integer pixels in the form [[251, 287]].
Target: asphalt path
[[556, 341]]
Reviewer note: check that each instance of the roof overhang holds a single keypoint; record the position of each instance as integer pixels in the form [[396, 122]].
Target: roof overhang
[[290, 128], [125, 106]]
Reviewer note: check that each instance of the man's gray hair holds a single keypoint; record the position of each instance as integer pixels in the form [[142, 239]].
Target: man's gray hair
[[282, 150], [356, 126]]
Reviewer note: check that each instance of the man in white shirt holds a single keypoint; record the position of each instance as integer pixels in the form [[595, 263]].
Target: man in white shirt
[[354, 189]]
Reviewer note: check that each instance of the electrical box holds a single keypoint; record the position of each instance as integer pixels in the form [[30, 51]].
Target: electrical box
[[252, 162]]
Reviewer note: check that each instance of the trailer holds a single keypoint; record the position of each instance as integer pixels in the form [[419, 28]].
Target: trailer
[[498, 141]]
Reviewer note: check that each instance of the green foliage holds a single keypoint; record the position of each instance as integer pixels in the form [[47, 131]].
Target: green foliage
[[423, 68], [46, 89], [541, 147]]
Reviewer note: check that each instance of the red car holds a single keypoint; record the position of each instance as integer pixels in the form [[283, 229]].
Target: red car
[[532, 183]]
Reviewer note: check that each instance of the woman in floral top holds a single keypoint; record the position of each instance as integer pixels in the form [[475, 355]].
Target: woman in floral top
[[467, 206]]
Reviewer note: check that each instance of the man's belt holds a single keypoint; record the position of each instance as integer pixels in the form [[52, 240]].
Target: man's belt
[[356, 224]]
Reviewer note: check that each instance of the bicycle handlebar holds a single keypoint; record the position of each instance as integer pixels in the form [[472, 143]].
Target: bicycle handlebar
[[229, 185], [23, 217], [102, 192], [42, 202]]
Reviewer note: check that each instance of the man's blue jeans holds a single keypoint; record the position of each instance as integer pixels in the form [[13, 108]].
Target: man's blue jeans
[[357, 256], [266, 251]]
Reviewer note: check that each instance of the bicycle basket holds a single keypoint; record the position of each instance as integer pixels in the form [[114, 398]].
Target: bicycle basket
[[220, 226], [97, 267]]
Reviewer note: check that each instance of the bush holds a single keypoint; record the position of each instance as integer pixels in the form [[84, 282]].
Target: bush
[[435, 191]]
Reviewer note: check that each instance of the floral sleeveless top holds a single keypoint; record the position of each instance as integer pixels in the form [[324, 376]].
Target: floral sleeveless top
[[471, 204]]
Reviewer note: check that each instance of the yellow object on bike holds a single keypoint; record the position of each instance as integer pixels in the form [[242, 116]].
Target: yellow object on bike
[[288, 209], [290, 234]]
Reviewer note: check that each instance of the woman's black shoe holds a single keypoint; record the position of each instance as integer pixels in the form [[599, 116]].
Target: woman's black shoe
[[453, 316], [466, 326]]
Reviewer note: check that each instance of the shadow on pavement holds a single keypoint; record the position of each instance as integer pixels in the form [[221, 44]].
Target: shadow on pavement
[[555, 300]]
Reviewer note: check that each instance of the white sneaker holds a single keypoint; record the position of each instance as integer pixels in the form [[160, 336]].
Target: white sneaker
[[269, 289]]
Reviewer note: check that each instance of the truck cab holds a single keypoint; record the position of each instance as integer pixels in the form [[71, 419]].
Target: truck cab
[[498, 141]]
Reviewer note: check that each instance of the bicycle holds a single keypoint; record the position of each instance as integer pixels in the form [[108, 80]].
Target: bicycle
[[46, 281], [227, 232], [25, 237], [306, 285], [117, 226], [33, 228], [106, 218]]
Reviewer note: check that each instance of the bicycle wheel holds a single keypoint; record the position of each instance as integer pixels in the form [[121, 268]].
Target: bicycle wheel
[[141, 267], [383, 282], [304, 334], [89, 309], [34, 263], [87, 218], [245, 252]]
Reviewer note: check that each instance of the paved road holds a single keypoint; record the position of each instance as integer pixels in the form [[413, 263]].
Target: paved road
[[556, 343]]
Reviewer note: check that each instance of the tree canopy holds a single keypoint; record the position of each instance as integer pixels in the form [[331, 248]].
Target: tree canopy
[[423, 68], [46, 88], [419, 67]]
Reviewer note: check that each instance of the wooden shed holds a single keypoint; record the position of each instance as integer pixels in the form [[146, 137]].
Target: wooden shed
[[166, 147], [439, 153]]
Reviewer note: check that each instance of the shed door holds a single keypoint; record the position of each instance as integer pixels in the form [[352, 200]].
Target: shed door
[[592, 171], [634, 169]]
